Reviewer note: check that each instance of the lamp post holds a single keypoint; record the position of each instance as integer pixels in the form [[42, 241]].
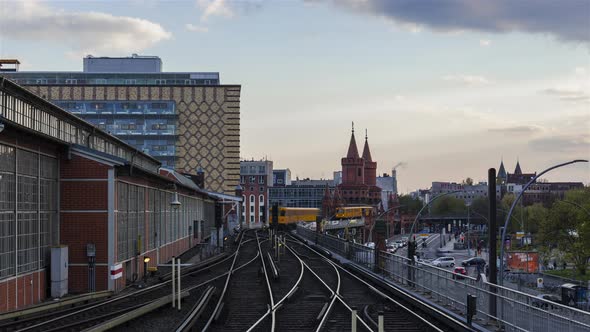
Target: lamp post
[[514, 204], [468, 231]]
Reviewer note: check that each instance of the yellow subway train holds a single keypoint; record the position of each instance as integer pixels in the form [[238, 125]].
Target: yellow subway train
[[353, 212], [290, 215]]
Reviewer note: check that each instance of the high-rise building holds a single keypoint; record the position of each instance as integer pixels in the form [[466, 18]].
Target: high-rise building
[[186, 120]]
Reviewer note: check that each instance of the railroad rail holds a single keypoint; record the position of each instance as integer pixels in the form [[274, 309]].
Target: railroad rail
[[86, 316]]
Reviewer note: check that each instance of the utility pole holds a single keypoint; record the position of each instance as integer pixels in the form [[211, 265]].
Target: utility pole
[[492, 238]]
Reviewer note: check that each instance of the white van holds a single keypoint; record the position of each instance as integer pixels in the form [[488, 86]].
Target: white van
[[444, 262]]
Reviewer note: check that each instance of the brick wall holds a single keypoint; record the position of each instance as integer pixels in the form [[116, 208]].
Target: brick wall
[[29, 287]]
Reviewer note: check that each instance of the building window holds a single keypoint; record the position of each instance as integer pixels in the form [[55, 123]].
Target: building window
[[71, 81], [251, 218], [242, 179], [130, 81], [261, 169], [252, 179], [261, 179], [261, 189], [261, 199], [251, 198]]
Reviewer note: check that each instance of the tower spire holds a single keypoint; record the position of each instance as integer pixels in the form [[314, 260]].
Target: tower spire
[[353, 151], [366, 150]]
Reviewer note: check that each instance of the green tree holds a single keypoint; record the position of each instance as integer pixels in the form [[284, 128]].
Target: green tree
[[567, 228], [409, 205], [480, 206], [468, 181], [448, 205]]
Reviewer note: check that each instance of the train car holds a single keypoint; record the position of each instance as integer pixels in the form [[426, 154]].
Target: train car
[[289, 215], [352, 212]]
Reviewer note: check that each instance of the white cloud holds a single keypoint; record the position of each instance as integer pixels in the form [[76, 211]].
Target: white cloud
[[467, 79], [83, 32], [580, 71], [196, 28], [215, 8], [572, 95], [485, 42]]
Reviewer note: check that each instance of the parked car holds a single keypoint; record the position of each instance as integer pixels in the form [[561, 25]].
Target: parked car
[[400, 243], [391, 248], [474, 261], [459, 272], [444, 262], [370, 245], [545, 301]]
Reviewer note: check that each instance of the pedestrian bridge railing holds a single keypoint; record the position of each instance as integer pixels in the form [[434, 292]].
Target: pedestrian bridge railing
[[515, 311]]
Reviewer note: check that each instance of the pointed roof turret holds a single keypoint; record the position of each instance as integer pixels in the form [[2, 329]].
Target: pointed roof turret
[[353, 152], [502, 170], [366, 151], [517, 170]]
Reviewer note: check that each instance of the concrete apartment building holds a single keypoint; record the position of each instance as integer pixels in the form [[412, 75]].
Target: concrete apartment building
[[185, 120]]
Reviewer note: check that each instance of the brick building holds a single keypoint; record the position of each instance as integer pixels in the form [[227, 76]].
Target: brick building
[[256, 177], [67, 182]]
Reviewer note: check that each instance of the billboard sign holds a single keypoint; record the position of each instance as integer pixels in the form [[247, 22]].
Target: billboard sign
[[523, 261]]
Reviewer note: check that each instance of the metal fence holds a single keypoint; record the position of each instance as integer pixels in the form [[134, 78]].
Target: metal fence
[[515, 311]]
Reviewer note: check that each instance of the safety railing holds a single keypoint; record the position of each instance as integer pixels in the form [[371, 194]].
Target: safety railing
[[515, 311]]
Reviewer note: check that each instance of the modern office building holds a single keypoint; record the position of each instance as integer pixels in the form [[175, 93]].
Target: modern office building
[[304, 193], [256, 177], [185, 120], [65, 182], [281, 177]]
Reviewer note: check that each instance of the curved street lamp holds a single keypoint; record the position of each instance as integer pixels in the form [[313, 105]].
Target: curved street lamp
[[531, 181], [418, 216]]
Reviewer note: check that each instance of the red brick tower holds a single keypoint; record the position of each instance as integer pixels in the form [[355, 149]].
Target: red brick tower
[[370, 165], [352, 165]]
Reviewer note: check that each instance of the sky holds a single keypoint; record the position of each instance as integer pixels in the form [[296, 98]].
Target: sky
[[447, 88]]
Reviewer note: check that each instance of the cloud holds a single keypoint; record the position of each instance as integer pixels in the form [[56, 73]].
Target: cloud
[[579, 143], [467, 79], [83, 32], [214, 8], [517, 130], [569, 95], [565, 19], [195, 28], [485, 42]]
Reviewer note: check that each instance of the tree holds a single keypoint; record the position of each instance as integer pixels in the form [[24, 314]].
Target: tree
[[448, 205], [468, 181], [409, 205], [480, 206], [567, 227]]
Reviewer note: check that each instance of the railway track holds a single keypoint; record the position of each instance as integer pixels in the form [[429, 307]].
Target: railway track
[[354, 292], [238, 309], [86, 316]]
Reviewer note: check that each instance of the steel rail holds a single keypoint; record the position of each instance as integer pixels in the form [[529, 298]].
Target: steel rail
[[193, 315], [336, 294], [115, 299], [210, 320], [272, 302], [276, 306], [383, 295]]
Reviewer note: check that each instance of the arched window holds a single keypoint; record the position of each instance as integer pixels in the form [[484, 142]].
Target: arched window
[[261, 199]]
